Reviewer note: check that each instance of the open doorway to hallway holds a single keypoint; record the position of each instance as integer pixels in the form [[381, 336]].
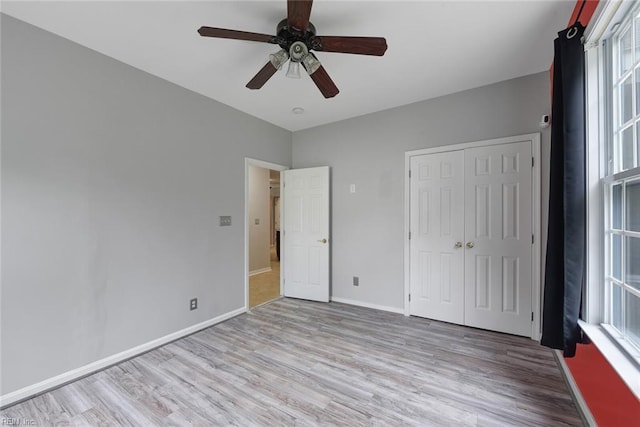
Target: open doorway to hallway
[[263, 209]]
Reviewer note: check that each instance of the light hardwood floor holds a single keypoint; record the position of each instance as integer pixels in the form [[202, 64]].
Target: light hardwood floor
[[265, 287], [293, 362]]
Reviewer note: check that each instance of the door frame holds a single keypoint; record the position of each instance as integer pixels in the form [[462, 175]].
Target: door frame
[[536, 210], [266, 165]]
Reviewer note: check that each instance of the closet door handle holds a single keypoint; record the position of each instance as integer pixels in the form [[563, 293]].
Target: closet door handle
[[470, 245], [458, 245]]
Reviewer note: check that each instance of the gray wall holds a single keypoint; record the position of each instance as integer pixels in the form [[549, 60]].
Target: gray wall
[[368, 151], [259, 234], [112, 184]]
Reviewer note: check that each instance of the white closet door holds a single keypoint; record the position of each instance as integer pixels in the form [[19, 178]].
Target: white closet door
[[437, 224], [498, 230]]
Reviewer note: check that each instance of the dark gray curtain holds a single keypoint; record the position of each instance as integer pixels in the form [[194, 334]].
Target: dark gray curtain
[[565, 262]]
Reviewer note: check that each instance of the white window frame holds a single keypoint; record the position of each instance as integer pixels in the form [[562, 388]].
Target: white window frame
[[624, 358]]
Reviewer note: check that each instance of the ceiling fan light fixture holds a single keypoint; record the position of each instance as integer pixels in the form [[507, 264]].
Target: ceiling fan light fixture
[[279, 58], [311, 63], [297, 37], [298, 50], [294, 70]]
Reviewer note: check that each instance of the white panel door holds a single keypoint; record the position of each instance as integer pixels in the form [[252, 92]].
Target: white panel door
[[498, 231], [306, 233], [437, 233]]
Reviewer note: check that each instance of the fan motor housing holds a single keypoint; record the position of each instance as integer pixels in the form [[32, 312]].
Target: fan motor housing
[[288, 36]]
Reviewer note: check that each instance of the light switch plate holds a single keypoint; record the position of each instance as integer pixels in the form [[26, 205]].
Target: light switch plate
[[225, 221]]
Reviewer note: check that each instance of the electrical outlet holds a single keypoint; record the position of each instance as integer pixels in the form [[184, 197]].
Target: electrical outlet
[[356, 281], [193, 304]]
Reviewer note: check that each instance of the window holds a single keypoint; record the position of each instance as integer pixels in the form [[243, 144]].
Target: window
[[621, 184], [611, 307]]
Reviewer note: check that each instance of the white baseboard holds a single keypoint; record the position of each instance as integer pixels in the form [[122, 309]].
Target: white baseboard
[[67, 377], [259, 271], [368, 305], [583, 408]]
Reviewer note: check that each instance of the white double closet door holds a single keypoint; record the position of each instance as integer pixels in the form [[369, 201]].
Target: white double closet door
[[471, 237]]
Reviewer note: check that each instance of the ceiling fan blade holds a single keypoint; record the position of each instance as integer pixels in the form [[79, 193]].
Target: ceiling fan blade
[[236, 35], [359, 45], [263, 75], [298, 12], [324, 82]]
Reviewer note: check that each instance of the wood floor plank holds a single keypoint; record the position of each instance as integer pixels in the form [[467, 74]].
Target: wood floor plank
[[293, 362]]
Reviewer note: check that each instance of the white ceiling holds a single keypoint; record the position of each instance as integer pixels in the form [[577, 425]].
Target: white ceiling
[[434, 48]]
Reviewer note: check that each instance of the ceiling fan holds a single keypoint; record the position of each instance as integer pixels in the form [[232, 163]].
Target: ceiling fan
[[297, 38]]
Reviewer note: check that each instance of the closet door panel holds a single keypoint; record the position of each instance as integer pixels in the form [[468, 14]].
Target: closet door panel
[[437, 224], [498, 238]]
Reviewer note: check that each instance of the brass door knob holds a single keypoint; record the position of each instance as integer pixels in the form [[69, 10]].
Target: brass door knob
[[323, 241], [470, 245], [458, 245]]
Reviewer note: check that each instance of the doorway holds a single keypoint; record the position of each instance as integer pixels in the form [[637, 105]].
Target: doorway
[[262, 228]]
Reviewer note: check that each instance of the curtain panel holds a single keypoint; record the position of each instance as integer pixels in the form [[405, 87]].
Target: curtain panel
[[566, 243]]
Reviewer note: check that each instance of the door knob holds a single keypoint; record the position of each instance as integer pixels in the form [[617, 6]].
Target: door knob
[[323, 241], [458, 245], [469, 245]]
